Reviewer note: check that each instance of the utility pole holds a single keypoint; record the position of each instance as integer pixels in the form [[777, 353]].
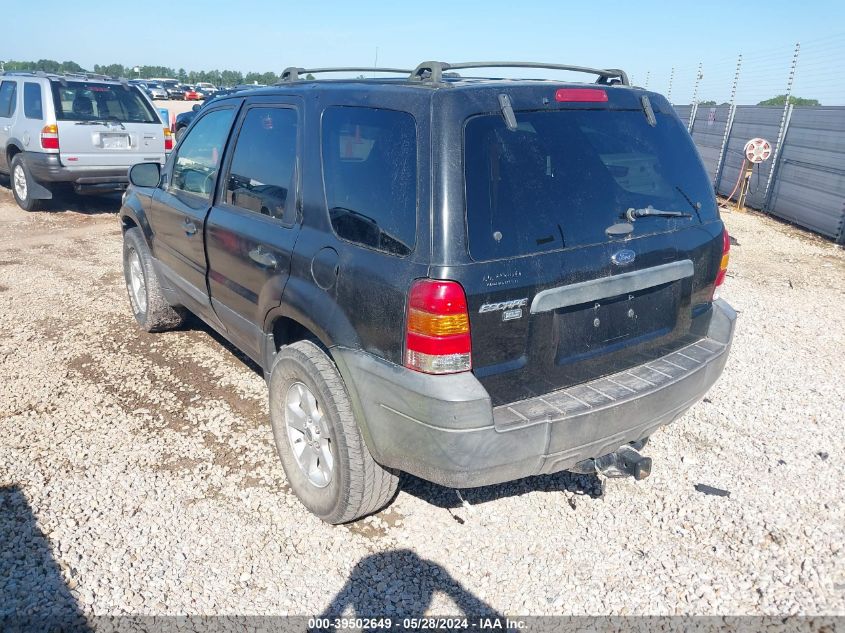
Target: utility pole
[[720, 163], [694, 106], [671, 80], [784, 123]]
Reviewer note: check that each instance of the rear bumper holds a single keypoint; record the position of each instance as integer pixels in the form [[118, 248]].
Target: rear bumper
[[47, 168], [444, 428]]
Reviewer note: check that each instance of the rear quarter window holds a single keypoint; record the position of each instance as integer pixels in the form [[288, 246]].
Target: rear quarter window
[[32, 104], [370, 175]]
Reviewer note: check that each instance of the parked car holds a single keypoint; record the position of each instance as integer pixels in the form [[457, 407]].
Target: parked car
[[206, 89], [172, 87], [156, 91], [184, 119], [190, 94], [83, 131], [470, 280]]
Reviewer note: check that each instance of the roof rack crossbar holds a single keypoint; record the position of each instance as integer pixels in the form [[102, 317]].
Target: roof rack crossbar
[[293, 74], [433, 71]]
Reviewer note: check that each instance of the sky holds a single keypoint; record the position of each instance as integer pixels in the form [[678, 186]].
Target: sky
[[647, 38]]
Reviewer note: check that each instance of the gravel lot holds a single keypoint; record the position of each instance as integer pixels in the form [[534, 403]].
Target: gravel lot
[[138, 473]]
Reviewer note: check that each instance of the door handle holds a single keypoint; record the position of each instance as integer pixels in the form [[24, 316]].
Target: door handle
[[190, 227], [263, 258]]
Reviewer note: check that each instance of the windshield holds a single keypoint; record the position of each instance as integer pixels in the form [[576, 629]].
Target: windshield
[[88, 101], [561, 178]]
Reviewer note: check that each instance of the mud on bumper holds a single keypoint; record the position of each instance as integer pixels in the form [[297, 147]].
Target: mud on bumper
[[444, 428]]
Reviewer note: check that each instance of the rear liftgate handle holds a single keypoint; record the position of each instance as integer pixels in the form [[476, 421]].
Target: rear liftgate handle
[[263, 258]]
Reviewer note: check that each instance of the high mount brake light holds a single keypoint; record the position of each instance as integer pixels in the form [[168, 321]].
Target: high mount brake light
[[581, 95], [437, 339]]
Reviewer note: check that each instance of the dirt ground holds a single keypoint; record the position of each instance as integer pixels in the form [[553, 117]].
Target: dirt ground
[[144, 470]]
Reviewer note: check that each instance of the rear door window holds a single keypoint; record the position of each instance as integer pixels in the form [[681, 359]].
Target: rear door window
[[8, 97], [89, 101], [263, 171], [370, 175], [561, 178], [32, 106]]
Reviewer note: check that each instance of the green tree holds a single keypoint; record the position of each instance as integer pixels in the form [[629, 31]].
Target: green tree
[[781, 100], [706, 103]]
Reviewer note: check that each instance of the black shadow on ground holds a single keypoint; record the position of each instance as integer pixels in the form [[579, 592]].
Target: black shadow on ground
[[65, 199], [581, 485], [400, 583], [33, 595]]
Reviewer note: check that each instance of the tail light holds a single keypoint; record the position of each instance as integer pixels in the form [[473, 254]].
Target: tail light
[[168, 139], [50, 136], [726, 255], [437, 339]]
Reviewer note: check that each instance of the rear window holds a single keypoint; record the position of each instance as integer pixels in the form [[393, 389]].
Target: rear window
[[561, 178], [370, 173], [84, 101]]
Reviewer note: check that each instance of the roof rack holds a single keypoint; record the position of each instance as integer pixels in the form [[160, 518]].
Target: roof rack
[[292, 73], [62, 75], [433, 71]]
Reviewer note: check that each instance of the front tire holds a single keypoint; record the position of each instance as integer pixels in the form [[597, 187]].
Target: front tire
[[325, 458], [149, 305], [22, 185]]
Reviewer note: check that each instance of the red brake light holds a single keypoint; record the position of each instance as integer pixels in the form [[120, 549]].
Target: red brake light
[[168, 139], [50, 137], [723, 265], [581, 95], [437, 339]]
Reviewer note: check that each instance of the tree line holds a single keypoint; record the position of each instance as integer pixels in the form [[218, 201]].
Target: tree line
[[779, 100], [216, 77]]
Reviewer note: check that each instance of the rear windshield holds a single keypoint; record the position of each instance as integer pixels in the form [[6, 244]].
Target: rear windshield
[[84, 101], [561, 178]]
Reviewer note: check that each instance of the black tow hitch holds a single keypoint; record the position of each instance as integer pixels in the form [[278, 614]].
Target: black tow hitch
[[624, 462]]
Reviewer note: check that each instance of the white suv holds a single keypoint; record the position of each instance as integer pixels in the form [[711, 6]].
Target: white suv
[[83, 131]]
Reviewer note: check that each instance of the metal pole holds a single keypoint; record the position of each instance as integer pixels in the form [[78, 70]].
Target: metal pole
[[784, 119], [694, 107], [671, 79], [720, 163]]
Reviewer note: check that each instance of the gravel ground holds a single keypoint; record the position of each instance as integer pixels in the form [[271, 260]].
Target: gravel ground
[[138, 473]]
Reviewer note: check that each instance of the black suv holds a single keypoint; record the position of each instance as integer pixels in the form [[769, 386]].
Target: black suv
[[468, 279]]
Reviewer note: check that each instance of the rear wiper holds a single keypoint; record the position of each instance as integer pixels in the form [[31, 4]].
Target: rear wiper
[[632, 214]]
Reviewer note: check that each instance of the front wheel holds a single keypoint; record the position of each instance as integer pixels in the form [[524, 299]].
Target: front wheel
[[22, 185], [325, 458], [149, 305]]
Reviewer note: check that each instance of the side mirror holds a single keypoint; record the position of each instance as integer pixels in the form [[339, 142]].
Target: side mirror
[[145, 174], [196, 107]]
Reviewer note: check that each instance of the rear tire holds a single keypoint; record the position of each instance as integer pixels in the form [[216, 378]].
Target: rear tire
[[149, 305], [343, 482], [180, 132], [22, 185]]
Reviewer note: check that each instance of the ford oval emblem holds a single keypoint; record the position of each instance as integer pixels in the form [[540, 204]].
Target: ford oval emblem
[[623, 257]]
